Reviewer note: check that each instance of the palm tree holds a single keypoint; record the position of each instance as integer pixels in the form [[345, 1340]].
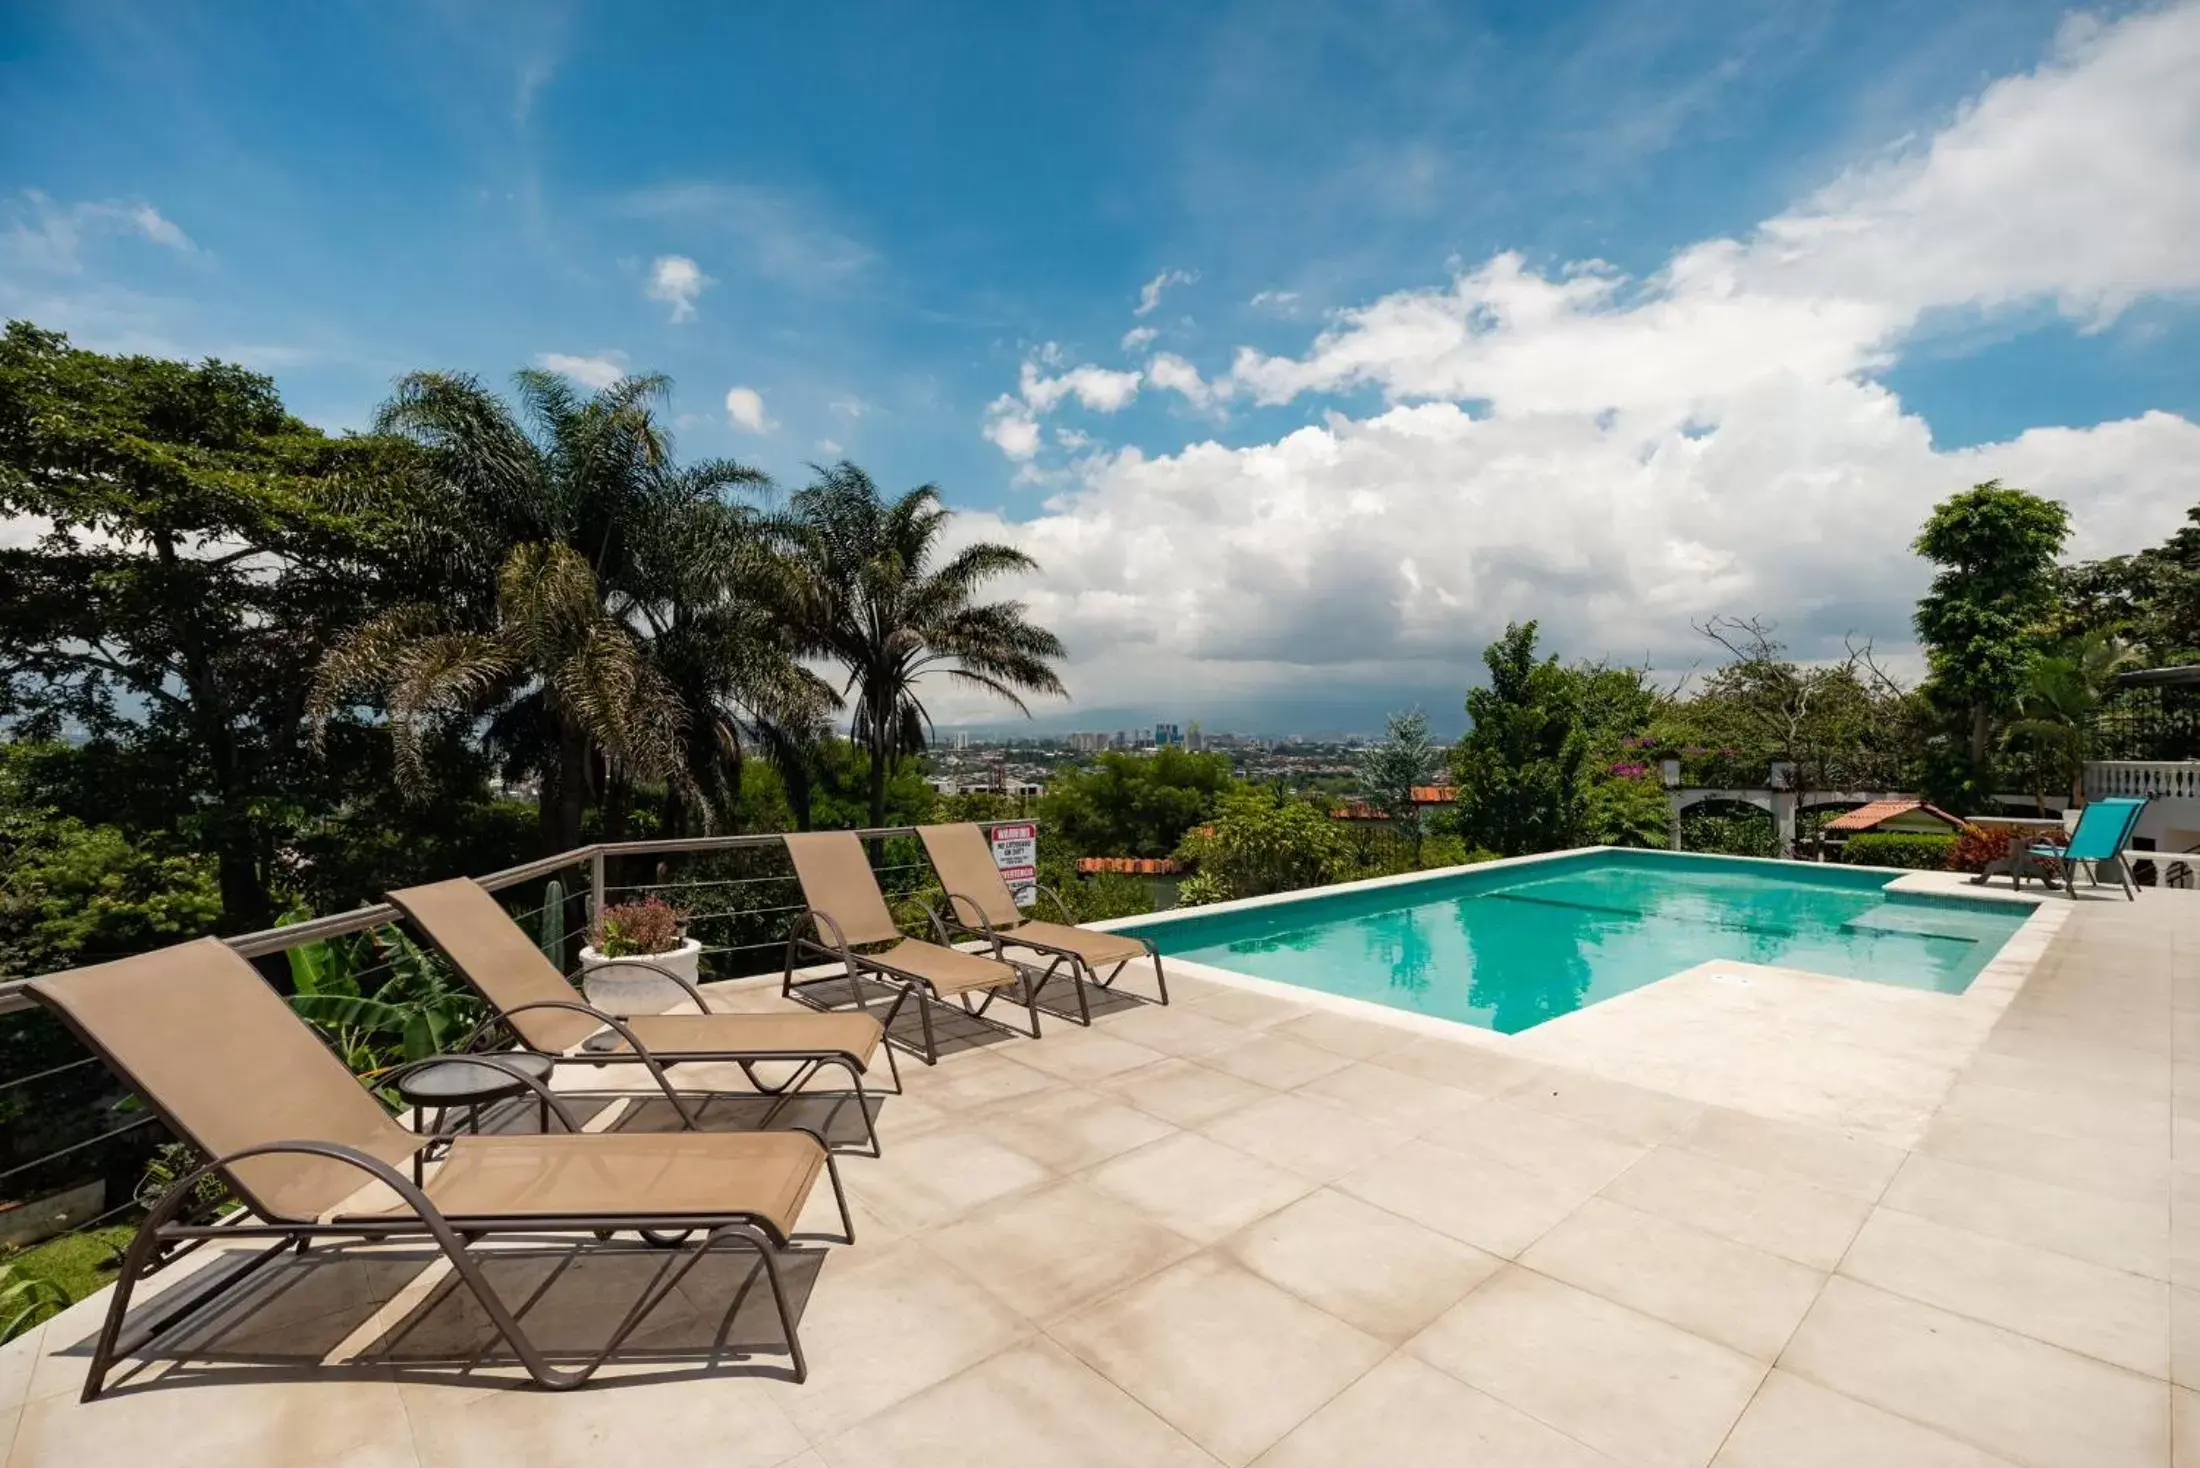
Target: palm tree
[[526, 543], [2063, 692], [871, 599], [721, 630]]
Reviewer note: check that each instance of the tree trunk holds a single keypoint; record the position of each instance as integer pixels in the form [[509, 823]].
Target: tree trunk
[[1981, 734], [572, 787]]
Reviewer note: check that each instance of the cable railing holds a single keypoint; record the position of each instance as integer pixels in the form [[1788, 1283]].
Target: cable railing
[[739, 895]]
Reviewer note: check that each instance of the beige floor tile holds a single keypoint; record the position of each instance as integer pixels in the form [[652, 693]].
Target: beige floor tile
[[1723, 1291], [2184, 1337], [1829, 1160], [2185, 1428], [1070, 1128], [1777, 1214], [1269, 1060], [1464, 1195], [2105, 1313], [1404, 1413], [1033, 1404], [18, 1358], [1048, 1251], [1631, 1112], [245, 1423], [1572, 1154], [723, 1419], [974, 1079], [2020, 1074], [1792, 1423], [1391, 1098], [882, 1325], [1361, 1039], [1230, 1360], [1316, 1141], [2101, 1228], [1196, 1186], [1083, 1056], [2125, 1119], [1183, 1091], [1368, 1267], [1636, 1388], [2139, 1173], [1482, 1069], [940, 1175], [2033, 1403], [1242, 1007], [1172, 1029]]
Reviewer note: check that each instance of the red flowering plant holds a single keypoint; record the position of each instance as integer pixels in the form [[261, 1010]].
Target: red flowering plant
[[637, 929], [1976, 847]]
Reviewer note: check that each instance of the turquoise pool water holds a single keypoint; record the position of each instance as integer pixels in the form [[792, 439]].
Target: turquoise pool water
[[1511, 947]]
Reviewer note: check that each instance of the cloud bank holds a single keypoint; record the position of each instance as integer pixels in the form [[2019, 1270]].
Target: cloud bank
[[1616, 456]]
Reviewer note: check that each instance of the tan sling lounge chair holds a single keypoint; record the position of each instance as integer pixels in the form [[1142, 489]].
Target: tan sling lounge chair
[[846, 911], [980, 903], [311, 1155], [551, 1018]]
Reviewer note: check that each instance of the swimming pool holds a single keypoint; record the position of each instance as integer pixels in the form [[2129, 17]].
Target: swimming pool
[[1510, 946]]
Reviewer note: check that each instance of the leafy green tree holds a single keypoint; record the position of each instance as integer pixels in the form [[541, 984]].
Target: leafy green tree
[[558, 574], [1980, 620], [1519, 768], [1391, 771], [1627, 810], [1133, 804], [874, 596], [1263, 841], [2063, 691], [197, 556]]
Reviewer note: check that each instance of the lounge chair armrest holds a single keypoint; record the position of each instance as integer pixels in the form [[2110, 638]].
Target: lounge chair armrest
[[823, 920], [634, 1044], [694, 993], [955, 901], [494, 1062], [374, 1167], [1061, 908]]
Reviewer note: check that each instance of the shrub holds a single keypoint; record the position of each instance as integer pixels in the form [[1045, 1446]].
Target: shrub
[[637, 929], [1262, 842], [1975, 847], [1919, 851], [1200, 889]]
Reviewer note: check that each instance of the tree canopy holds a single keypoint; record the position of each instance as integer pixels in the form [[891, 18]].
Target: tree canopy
[[1520, 767]]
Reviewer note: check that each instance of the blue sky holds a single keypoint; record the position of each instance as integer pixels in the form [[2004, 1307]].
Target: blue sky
[[887, 223]]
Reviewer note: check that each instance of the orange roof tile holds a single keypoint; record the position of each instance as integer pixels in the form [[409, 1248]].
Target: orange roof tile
[[1864, 817], [1136, 866]]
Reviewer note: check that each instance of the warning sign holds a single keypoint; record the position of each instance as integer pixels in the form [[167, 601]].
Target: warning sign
[[1016, 853]]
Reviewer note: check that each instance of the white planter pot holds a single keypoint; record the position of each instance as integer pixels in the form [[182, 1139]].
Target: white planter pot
[[620, 987]]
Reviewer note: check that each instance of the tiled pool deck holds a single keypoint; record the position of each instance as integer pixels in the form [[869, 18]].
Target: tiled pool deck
[[1247, 1229]]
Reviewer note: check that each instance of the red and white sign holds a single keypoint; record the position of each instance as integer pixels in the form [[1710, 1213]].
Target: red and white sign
[[1016, 853]]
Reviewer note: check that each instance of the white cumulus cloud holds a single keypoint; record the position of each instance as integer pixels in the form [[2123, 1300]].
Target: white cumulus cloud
[[1617, 456], [1102, 389], [1149, 294], [745, 410], [678, 282], [598, 371], [1138, 338], [44, 234]]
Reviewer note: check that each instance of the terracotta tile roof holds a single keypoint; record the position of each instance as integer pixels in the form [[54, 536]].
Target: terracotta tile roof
[[1360, 810], [1434, 794], [1864, 817], [1135, 866]]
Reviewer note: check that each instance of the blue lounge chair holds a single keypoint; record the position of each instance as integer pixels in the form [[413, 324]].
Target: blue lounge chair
[[2104, 827]]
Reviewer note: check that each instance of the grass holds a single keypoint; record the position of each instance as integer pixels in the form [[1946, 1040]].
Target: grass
[[78, 1263]]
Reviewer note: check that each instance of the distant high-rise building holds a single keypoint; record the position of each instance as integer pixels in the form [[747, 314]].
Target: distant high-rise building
[[1165, 735], [1195, 739]]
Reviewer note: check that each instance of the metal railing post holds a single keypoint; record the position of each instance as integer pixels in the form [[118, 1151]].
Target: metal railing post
[[595, 886]]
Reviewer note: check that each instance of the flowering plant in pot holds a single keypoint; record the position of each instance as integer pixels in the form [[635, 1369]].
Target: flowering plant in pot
[[649, 930]]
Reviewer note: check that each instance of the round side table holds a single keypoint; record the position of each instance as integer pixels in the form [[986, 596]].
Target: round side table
[[469, 1085]]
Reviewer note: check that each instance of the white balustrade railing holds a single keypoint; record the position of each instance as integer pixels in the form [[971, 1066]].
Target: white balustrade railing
[[2163, 779]]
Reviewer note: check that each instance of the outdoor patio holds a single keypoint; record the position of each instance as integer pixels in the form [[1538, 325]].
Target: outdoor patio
[[1243, 1229]]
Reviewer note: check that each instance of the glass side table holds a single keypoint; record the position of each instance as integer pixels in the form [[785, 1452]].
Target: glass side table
[[459, 1084]]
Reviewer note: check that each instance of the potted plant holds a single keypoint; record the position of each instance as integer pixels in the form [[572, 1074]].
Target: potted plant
[[649, 929]]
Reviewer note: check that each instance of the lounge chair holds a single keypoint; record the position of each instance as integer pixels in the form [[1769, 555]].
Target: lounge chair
[[981, 904], [845, 911], [312, 1155], [2104, 826], [550, 1017]]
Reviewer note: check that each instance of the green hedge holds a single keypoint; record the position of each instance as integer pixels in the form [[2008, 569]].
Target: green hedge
[[1919, 851]]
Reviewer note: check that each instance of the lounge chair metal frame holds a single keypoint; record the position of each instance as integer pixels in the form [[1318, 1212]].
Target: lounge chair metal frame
[[162, 1240], [808, 1062], [1081, 971], [998, 936], [904, 981]]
